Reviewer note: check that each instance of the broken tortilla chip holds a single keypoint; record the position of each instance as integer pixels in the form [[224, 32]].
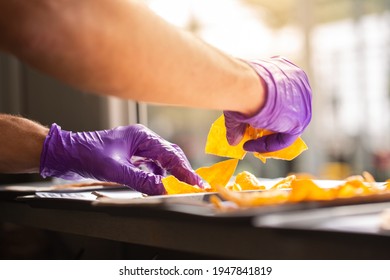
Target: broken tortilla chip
[[218, 174], [215, 175], [252, 199], [285, 183], [306, 189], [173, 185], [247, 181], [294, 190], [217, 144]]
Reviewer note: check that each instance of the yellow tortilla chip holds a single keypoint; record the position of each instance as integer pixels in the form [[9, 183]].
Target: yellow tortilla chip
[[174, 186], [253, 199], [217, 144], [247, 181], [218, 174], [354, 187], [305, 190], [387, 184], [347, 190], [285, 183], [368, 177]]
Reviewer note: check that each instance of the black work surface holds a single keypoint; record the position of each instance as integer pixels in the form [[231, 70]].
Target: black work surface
[[303, 231]]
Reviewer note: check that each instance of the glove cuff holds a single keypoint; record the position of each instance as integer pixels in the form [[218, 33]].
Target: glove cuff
[[44, 171], [54, 155]]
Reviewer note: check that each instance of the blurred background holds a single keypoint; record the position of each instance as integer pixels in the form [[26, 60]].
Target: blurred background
[[343, 45]]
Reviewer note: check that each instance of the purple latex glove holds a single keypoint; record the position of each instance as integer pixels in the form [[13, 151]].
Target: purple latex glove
[[116, 156], [286, 111]]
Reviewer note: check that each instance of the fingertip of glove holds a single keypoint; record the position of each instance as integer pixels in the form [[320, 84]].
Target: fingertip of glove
[[270, 143], [200, 182], [257, 145], [193, 179]]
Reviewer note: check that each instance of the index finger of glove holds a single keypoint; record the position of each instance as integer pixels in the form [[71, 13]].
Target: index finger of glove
[[142, 181], [270, 143], [171, 158], [186, 173]]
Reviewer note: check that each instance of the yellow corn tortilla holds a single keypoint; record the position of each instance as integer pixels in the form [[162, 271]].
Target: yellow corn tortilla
[[217, 144]]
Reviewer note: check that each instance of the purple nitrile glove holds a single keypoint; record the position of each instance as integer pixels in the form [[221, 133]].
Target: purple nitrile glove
[[286, 111], [115, 155]]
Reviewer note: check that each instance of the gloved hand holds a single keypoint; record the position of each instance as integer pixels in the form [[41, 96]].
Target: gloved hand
[[286, 112], [115, 155]]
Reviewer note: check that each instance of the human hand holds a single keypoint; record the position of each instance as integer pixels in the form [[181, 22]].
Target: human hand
[[286, 111], [115, 155]]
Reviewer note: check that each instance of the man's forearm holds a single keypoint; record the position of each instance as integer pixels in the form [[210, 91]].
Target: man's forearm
[[122, 48], [21, 142]]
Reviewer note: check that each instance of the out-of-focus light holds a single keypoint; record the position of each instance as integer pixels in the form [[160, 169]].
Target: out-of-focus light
[[176, 12], [228, 25]]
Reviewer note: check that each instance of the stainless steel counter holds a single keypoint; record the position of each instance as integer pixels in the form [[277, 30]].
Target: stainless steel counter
[[338, 232]]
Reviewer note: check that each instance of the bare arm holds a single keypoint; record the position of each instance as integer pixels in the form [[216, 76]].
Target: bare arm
[[121, 48], [21, 142]]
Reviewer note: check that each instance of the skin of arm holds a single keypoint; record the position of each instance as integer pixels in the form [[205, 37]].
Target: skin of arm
[[21, 142], [122, 48]]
